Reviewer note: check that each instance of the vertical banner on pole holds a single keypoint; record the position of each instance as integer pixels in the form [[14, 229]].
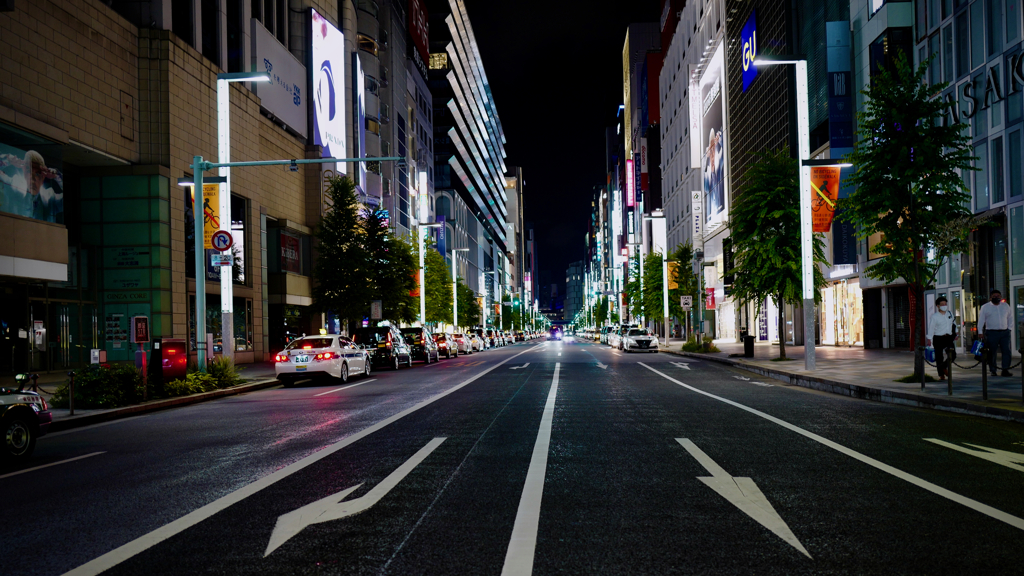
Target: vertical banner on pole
[[824, 192], [211, 213]]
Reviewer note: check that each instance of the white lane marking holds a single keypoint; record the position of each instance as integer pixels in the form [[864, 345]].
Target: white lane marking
[[523, 544], [519, 367], [919, 482], [742, 378], [147, 541], [1002, 457], [683, 365], [559, 353], [346, 387], [744, 494], [332, 508], [50, 464], [602, 366]]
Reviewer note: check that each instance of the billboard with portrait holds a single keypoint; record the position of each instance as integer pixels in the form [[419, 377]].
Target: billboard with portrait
[[328, 72], [713, 135], [29, 186]]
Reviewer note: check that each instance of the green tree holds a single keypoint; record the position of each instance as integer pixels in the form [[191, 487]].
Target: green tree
[[469, 308], [765, 230], [510, 316], [601, 312], [634, 295], [392, 269], [340, 273], [909, 162], [438, 281], [653, 288], [687, 282]]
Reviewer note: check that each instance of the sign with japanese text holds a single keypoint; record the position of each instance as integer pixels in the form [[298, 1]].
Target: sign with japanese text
[[824, 191]]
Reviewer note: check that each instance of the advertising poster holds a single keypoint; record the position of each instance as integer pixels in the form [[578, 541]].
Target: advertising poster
[[29, 187], [824, 191], [211, 212], [713, 140], [284, 94], [328, 73], [359, 101], [291, 248], [748, 36]]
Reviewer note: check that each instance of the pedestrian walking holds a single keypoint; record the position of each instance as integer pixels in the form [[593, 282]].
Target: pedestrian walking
[[941, 333], [994, 326]]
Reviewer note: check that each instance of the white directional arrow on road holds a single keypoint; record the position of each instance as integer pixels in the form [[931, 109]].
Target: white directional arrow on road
[[332, 507], [519, 367], [1002, 457], [683, 365], [602, 366], [741, 378], [743, 494]]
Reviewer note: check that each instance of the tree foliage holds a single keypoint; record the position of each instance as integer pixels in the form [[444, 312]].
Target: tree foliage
[[601, 311], [909, 162], [765, 231], [438, 281], [341, 270], [634, 294], [469, 308], [393, 269]]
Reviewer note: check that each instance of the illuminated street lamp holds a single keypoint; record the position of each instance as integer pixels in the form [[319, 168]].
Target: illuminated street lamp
[[227, 299], [455, 288]]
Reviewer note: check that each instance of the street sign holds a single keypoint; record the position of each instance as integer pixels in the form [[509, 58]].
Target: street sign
[[220, 260], [140, 329], [376, 310], [686, 302], [222, 240]]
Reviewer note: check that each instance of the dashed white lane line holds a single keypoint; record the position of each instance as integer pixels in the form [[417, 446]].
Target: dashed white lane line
[[50, 464], [919, 482], [523, 544], [346, 387], [147, 541]]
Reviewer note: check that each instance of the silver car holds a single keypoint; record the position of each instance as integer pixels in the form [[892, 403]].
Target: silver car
[[639, 340], [326, 355], [465, 343]]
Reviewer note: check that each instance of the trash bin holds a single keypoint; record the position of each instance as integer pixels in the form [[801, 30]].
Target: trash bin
[[748, 346]]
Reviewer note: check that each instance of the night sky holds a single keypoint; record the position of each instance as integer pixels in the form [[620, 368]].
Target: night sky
[[555, 70]]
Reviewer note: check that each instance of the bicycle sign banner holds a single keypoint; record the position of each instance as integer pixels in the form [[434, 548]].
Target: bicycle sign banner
[[222, 240]]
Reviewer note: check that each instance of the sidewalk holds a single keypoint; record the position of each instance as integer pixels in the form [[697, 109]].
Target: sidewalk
[[257, 376], [871, 373]]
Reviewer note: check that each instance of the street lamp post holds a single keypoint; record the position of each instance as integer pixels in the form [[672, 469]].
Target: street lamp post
[[806, 229], [659, 215], [227, 300], [640, 260], [455, 287]]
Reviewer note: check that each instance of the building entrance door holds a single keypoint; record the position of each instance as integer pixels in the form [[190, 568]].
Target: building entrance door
[[899, 318]]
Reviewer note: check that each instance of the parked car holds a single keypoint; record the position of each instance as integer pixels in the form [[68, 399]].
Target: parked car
[[316, 356], [463, 342], [639, 340], [421, 344], [446, 345], [24, 417], [479, 344], [386, 344], [482, 335]]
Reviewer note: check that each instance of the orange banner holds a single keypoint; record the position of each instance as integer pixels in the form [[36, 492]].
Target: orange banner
[[824, 192]]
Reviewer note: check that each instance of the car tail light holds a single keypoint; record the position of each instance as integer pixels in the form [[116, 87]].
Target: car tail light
[[280, 358], [324, 356]]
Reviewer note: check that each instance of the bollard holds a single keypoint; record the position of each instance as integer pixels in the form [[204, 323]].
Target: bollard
[[35, 383], [949, 370], [984, 374], [71, 394], [924, 371]]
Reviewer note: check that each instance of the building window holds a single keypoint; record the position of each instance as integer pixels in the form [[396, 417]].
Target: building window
[[182, 21], [1012, 20], [368, 6], [211, 32], [1014, 164], [963, 47], [947, 54], [981, 197], [934, 52], [373, 126], [439, 61], [367, 44], [998, 194], [977, 34], [993, 27]]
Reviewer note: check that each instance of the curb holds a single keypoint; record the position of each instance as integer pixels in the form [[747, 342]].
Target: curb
[[155, 406], [867, 392]]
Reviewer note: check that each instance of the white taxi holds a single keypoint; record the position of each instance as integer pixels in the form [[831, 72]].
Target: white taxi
[[639, 340], [315, 356]]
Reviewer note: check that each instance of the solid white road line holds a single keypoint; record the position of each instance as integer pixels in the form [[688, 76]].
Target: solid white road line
[[522, 545], [744, 494], [147, 541], [345, 387], [919, 482], [50, 464]]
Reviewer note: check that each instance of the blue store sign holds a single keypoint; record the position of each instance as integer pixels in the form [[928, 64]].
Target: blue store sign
[[749, 50]]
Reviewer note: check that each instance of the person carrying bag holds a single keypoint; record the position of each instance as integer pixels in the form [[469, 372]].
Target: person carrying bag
[[942, 332]]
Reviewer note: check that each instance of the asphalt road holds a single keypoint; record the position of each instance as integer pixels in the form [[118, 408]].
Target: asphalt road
[[538, 458]]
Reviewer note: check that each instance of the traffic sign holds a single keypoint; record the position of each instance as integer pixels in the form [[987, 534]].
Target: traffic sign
[[221, 260], [686, 302], [222, 240]]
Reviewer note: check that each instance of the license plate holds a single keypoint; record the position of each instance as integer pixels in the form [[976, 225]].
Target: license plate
[[300, 368], [302, 359]]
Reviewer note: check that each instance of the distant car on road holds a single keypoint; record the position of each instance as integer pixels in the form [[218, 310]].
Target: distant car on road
[[422, 345], [326, 355], [386, 344], [464, 343], [447, 345], [555, 333], [24, 417]]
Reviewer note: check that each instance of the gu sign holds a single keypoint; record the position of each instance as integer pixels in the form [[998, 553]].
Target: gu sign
[[749, 50]]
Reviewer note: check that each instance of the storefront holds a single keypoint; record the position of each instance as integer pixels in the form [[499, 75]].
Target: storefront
[[842, 314]]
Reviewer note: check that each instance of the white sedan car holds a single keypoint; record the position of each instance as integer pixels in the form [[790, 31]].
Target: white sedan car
[[327, 355], [639, 340], [464, 342]]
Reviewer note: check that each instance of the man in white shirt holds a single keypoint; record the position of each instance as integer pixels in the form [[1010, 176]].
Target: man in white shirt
[[994, 326], [941, 333]]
